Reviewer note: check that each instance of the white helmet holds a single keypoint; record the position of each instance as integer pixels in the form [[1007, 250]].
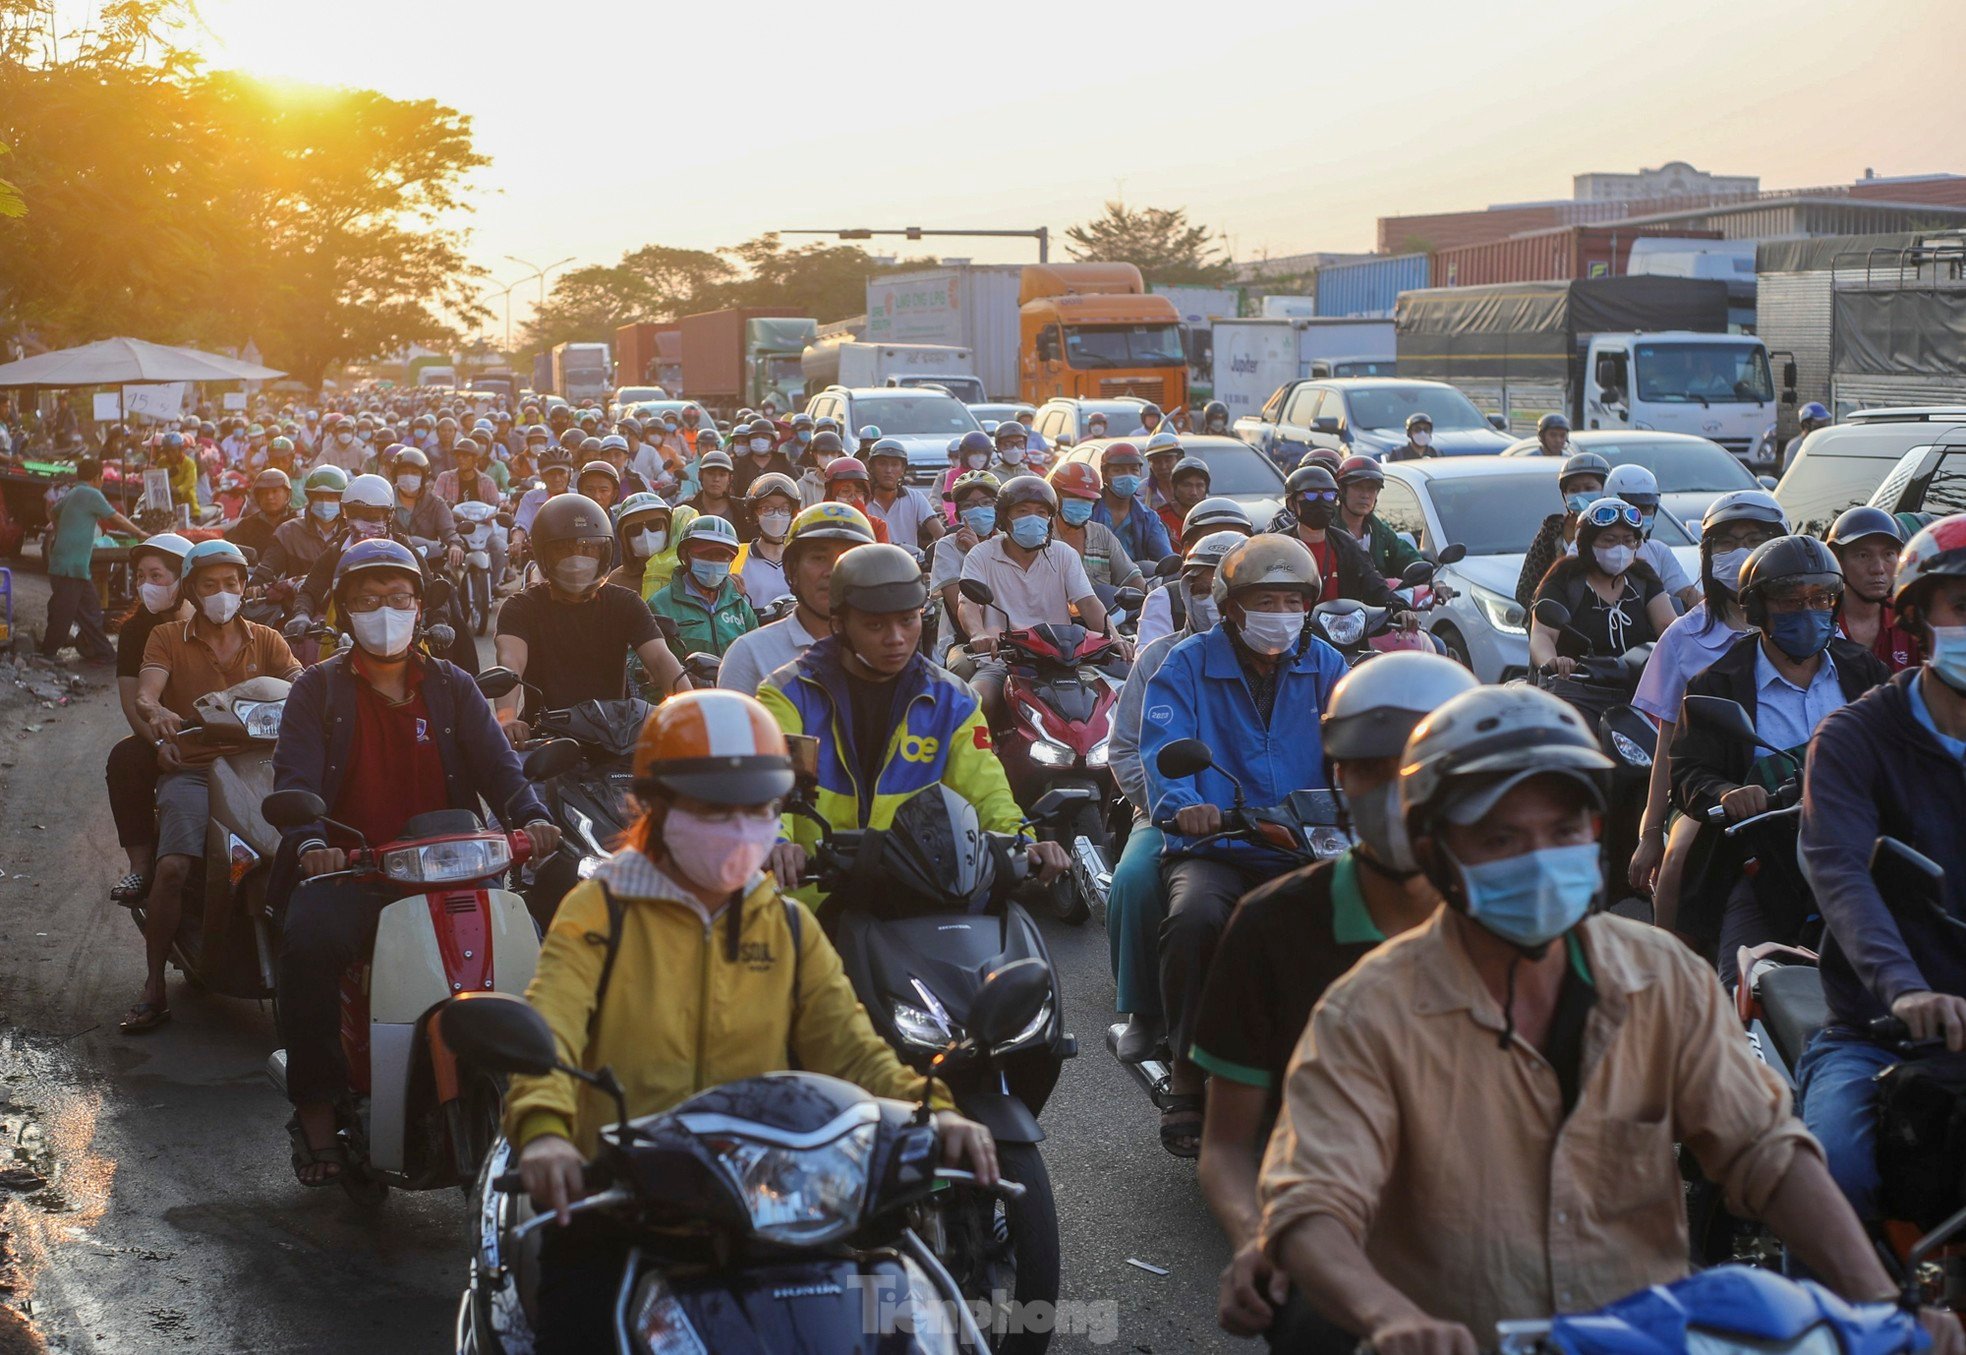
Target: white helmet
[[1215, 513], [368, 491], [1480, 745], [1207, 553], [1634, 484], [1375, 706]]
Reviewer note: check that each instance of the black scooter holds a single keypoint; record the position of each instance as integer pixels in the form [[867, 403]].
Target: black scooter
[[772, 1214]]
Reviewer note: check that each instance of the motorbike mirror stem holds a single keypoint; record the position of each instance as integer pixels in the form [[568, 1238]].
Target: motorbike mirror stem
[[1913, 1296]]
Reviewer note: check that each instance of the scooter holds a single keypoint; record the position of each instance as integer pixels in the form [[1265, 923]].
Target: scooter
[[415, 1120], [227, 942], [773, 1214], [920, 912], [1305, 829], [1060, 692], [479, 524]]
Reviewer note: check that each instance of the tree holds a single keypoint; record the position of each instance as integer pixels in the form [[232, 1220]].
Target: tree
[[826, 282], [1157, 239], [11, 202], [654, 282]]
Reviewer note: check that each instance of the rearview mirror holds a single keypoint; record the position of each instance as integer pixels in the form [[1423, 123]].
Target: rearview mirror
[[977, 592], [702, 667], [1169, 566], [1184, 757], [1054, 800], [550, 760], [1452, 555], [1718, 715], [1552, 613], [804, 751], [497, 682], [1009, 1000], [292, 808], [498, 1033], [1128, 600], [1416, 574], [436, 595], [1498, 423]]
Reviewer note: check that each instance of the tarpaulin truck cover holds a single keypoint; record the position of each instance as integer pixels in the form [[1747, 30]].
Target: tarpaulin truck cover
[[1530, 330]]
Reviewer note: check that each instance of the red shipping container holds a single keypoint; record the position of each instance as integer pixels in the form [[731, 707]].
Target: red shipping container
[[1566, 254]]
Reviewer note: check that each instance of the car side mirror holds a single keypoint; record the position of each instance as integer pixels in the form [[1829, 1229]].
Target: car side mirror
[[1325, 424], [1552, 613], [1766, 481], [499, 1033], [1009, 1000], [550, 760], [292, 808], [1788, 379], [1498, 423], [1184, 757]]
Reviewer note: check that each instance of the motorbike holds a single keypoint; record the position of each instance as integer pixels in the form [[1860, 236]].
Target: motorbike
[[479, 524], [920, 912], [772, 1214], [227, 942], [589, 799], [415, 1120], [1303, 830], [1060, 691], [1771, 837]]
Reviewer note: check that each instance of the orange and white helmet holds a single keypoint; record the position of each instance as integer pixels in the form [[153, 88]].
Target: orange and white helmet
[[718, 746], [1074, 480]]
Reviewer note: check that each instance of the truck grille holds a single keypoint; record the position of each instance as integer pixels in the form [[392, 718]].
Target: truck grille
[[1141, 387]]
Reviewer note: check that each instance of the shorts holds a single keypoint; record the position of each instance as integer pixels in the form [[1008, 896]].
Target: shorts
[[183, 808]]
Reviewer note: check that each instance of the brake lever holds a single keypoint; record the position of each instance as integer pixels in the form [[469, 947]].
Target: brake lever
[[1010, 1190], [607, 1199]]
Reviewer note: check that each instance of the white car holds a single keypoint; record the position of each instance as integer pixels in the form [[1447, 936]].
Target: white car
[[1692, 471], [1494, 506]]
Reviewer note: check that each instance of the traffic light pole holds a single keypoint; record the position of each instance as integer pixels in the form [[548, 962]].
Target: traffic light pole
[[1042, 235]]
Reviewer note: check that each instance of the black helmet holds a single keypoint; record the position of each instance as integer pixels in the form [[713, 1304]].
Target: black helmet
[[1307, 478], [1549, 421], [1024, 489], [1857, 523], [1214, 410], [1582, 463], [976, 442], [877, 578], [1787, 561], [565, 519], [825, 445]]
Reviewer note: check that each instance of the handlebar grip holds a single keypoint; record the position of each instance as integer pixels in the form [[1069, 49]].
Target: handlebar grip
[[1889, 1030], [508, 1183], [1717, 814]]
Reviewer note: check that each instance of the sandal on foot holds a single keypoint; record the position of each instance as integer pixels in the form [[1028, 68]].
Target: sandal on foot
[[145, 1016], [305, 1155], [1180, 1125], [130, 889]]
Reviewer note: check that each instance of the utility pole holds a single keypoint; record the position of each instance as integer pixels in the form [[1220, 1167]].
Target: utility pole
[[1042, 234]]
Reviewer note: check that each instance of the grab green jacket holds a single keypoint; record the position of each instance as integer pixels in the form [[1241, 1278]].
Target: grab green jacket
[[706, 625]]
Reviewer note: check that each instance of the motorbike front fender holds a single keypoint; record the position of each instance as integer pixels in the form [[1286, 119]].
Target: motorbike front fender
[[1007, 1118]]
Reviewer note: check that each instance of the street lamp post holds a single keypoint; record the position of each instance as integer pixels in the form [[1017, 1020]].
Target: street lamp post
[[506, 292], [538, 272], [1041, 234]]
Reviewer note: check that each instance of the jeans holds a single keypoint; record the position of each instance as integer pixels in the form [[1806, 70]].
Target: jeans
[[1837, 1099], [330, 925], [1134, 908], [73, 603], [1201, 894]]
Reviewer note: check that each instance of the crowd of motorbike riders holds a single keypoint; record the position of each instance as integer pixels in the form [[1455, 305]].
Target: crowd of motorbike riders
[[1431, 1081]]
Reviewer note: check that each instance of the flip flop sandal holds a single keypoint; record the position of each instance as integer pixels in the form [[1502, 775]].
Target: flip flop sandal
[[130, 889], [145, 1016], [306, 1155], [1180, 1125]]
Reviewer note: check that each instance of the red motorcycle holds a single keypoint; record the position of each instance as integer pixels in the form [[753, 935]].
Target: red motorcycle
[[1063, 683]]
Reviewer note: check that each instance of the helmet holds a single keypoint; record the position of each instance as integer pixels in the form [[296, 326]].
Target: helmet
[[1601, 515], [825, 445], [469, 446], [1267, 562], [974, 479], [1938, 551], [1150, 416], [1549, 421], [976, 442], [846, 468], [1215, 514], [773, 482], [877, 579], [564, 520], [1360, 470], [889, 447], [591, 448], [1207, 552], [366, 556], [627, 426], [715, 459], [1307, 478], [1419, 418], [1162, 444], [1634, 484], [273, 478], [166, 545], [604, 469], [556, 458], [614, 442], [1583, 463], [1189, 465], [1801, 561], [1122, 448], [1813, 412], [708, 440], [369, 491], [538, 432], [412, 458], [1854, 524], [1214, 410], [206, 553], [637, 504], [283, 445], [717, 746], [171, 442], [828, 522], [740, 430], [800, 421], [1374, 707], [1743, 505], [486, 425], [1024, 489], [1074, 479], [706, 529], [1480, 745], [1321, 456], [869, 435], [825, 423], [1010, 431]]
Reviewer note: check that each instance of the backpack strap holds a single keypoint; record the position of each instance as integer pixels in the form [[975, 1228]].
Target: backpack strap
[[617, 917], [1177, 603], [796, 923]]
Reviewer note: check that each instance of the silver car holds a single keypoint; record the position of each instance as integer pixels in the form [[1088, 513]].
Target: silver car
[[1692, 472]]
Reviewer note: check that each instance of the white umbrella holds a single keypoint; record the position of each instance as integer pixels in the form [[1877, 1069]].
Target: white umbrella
[[122, 362]]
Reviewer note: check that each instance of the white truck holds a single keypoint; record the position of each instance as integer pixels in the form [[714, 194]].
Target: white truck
[[583, 373], [969, 306], [1253, 358], [849, 362]]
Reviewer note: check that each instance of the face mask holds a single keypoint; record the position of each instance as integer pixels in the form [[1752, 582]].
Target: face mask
[[1614, 559], [1948, 658], [1201, 613], [982, 520], [1727, 567], [1802, 635], [1382, 828], [384, 632], [1577, 503], [1316, 516], [668, 428], [648, 544], [718, 855], [1012, 456], [344, 438], [760, 444], [1126, 486], [1076, 512], [366, 531], [977, 462], [1422, 438], [1646, 520], [157, 597], [1272, 633], [576, 573], [409, 484], [1532, 899], [1030, 532], [220, 608], [774, 525], [710, 573]]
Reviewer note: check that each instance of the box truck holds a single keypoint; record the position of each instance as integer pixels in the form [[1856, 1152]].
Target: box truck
[[733, 358], [1255, 357], [971, 306], [637, 354], [583, 373], [849, 362], [1093, 331]]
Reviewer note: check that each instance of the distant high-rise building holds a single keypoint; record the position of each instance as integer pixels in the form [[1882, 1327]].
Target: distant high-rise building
[[1676, 179]]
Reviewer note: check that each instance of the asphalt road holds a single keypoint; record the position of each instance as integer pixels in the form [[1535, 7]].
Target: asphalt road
[[173, 1221]]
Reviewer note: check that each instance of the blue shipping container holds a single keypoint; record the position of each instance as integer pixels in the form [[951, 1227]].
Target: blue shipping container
[[1370, 286]]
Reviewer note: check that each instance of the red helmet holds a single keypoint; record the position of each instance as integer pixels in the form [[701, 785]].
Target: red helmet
[[1360, 469], [1074, 479], [1937, 552], [846, 468]]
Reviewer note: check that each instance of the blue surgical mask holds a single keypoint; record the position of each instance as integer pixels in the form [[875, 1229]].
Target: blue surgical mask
[[1532, 899], [803, 436], [1076, 512], [1802, 635], [982, 520], [1577, 503], [1948, 657], [710, 573], [1126, 486], [1030, 531]]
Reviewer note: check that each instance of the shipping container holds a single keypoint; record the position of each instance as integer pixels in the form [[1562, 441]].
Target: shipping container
[[714, 368], [1564, 255], [1201, 305], [971, 306], [1286, 307], [1368, 288], [1254, 357], [635, 352]]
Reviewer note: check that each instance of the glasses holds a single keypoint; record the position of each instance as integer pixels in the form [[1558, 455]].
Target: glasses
[[1804, 600], [396, 602], [1318, 496], [1611, 514], [1751, 535]]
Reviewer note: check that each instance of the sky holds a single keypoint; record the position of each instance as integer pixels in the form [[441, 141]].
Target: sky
[[1285, 128]]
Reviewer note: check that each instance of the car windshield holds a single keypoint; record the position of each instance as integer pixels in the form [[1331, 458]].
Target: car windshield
[[1501, 514], [1703, 373], [629, 394], [1375, 407], [1679, 467], [1238, 471], [915, 415], [1097, 346]]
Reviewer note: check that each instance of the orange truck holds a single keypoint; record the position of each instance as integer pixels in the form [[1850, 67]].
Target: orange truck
[[1093, 331]]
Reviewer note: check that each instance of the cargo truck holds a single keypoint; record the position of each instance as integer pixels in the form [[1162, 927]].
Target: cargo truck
[[637, 353], [542, 373], [1625, 352], [971, 306], [1199, 309], [1253, 358], [583, 373], [734, 358], [1093, 331], [848, 362]]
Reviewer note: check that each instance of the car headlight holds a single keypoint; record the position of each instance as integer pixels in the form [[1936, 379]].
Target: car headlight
[[1326, 841], [1098, 756], [1032, 1028], [261, 718], [660, 1325], [468, 858], [1046, 753], [1630, 751], [1502, 612], [799, 1196], [1343, 629]]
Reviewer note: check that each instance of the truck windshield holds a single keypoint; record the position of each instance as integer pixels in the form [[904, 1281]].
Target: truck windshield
[[1704, 373], [1389, 406], [916, 415], [1091, 347]]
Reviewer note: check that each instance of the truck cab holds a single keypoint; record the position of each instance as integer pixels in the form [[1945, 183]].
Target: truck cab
[[1092, 330], [1717, 386]]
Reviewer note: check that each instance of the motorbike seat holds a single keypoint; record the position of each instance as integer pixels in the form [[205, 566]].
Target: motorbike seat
[[1793, 1007], [439, 822]]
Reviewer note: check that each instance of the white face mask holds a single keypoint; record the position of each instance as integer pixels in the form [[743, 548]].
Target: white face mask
[[977, 462], [344, 438], [760, 444], [1727, 567], [1422, 438], [1614, 559], [409, 484], [220, 608], [647, 544], [1012, 456], [576, 573], [158, 597], [1201, 613], [1272, 633], [384, 632], [775, 525]]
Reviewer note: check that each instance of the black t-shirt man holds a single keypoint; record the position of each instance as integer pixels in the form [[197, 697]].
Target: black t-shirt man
[[576, 651], [873, 727]]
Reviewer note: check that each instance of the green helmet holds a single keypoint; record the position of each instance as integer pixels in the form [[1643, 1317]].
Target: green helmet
[[325, 480]]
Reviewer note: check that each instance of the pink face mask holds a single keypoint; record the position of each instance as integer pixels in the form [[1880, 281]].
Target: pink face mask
[[719, 854]]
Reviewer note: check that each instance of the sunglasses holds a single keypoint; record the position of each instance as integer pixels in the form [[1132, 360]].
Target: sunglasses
[[1611, 514], [1318, 496]]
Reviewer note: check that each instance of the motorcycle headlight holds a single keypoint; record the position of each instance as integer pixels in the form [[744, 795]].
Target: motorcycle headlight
[[1630, 751], [1326, 842], [1098, 756], [261, 718], [927, 1025], [1046, 753], [1343, 629], [468, 858], [1502, 612], [799, 1196], [660, 1325]]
